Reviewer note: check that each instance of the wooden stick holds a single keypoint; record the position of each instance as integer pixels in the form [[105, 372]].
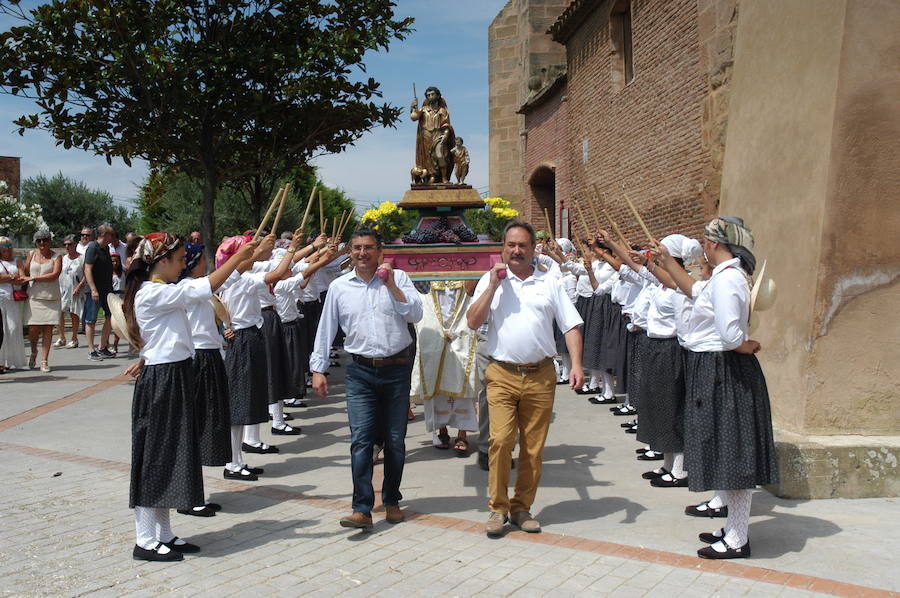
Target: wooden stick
[[285, 190], [334, 227], [550, 230], [265, 219], [609, 218], [350, 215], [309, 203], [345, 218], [582, 219], [637, 215], [321, 214]]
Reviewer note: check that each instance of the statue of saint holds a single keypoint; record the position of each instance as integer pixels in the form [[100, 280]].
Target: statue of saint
[[434, 138], [461, 161]]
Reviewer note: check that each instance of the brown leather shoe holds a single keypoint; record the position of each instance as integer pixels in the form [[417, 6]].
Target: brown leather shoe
[[394, 514], [495, 523], [357, 520], [525, 522]]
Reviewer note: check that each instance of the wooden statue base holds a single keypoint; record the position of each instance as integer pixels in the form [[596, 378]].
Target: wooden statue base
[[458, 197]]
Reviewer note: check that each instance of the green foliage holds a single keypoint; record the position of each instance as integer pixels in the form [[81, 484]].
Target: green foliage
[[69, 205], [492, 218], [229, 91], [390, 220]]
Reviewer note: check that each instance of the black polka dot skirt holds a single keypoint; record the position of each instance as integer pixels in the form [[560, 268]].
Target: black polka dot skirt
[[594, 329], [637, 347], [662, 396], [614, 344], [273, 339], [165, 445], [245, 368], [728, 441], [296, 359], [212, 406]]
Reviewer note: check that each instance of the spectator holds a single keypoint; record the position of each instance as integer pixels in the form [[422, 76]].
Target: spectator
[[130, 248], [71, 287], [12, 352], [117, 246], [118, 285], [129, 237], [196, 237], [87, 235], [98, 273], [43, 268]]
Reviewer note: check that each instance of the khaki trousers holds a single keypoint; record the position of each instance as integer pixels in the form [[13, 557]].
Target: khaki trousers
[[520, 403]]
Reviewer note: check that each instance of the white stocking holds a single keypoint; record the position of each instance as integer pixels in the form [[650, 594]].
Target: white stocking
[[595, 381], [565, 366], [608, 387], [738, 516], [276, 410], [236, 456], [164, 526], [718, 501], [146, 525], [677, 465], [251, 435], [667, 461]]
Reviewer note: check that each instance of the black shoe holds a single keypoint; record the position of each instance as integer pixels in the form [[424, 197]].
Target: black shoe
[[558, 382], [186, 548], [696, 511], [660, 482], [243, 474], [628, 424], [626, 411], [641, 451], [711, 538], [632, 430], [730, 553], [142, 554], [652, 475], [288, 431], [262, 449], [204, 512], [602, 400], [287, 416], [589, 391], [256, 470], [295, 403], [106, 353], [97, 356], [483, 462], [653, 457]]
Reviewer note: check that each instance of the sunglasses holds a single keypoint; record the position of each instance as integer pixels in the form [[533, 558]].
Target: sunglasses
[[42, 241], [85, 234]]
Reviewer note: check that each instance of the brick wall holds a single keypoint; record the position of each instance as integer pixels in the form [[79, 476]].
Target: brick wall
[[545, 146], [9, 172]]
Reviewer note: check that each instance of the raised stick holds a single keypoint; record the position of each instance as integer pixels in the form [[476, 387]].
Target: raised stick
[[265, 219], [582, 219], [350, 215], [609, 218], [550, 230], [334, 227], [321, 214], [309, 203], [285, 190], [637, 215], [415, 95]]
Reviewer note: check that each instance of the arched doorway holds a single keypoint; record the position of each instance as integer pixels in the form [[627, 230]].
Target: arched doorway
[[542, 183]]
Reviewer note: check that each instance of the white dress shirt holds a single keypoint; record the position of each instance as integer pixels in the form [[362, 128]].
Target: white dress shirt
[[160, 310], [606, 276], [286, 298], [242, 300], [569, 281], [374, 322], [265, 293], [721, 310], [661, 315], [641, 308], [202, 317], [520, 323], [632, 283], [310, 292]]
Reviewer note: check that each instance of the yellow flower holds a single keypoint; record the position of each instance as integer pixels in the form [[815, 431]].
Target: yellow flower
[[370, 216], [387, 207]]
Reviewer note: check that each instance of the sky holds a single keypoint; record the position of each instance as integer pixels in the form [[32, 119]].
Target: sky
[[448, 50]]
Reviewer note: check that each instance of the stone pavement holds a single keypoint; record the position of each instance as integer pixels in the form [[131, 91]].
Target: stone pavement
[[65, 442]]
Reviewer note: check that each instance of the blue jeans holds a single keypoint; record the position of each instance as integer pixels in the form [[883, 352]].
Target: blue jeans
[[377, 398]]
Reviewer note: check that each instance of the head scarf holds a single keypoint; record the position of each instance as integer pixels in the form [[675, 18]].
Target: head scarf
[[734, 234], [686, 249], [229, 247], [192, 254], [155, 246], [282, 243], [566, 245]]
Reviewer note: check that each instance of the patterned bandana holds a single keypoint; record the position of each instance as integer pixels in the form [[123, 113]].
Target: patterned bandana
[[229, 247], [729, 230], [192, 254], [154, 246]]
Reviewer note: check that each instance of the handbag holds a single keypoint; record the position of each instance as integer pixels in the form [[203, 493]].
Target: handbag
[[18, 294]]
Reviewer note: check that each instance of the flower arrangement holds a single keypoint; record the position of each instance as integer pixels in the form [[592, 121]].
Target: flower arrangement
[[389, 220], [491, 219], [16, 218]]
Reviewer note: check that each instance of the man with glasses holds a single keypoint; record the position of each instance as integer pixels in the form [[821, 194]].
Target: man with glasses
[[98, 274], [374, 312], [87, 235]]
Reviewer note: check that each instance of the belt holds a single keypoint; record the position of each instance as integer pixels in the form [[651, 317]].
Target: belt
[[401, 358], [270, 308], [522, 368]]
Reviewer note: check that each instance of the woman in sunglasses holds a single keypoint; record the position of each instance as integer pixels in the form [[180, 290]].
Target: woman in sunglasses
[[42, 268]]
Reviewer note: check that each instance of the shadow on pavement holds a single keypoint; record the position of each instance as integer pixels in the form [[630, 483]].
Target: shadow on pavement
[[252, 534]]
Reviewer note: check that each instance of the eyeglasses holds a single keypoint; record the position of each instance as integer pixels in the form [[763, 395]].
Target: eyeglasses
[[68, 244], [42, 241], [366, 247], [85, 234]]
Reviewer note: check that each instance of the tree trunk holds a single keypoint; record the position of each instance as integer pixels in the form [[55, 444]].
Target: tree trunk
[[208, 219]]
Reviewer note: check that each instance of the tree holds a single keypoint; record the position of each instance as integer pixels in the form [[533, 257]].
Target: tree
[[69, 205], [223, 91]]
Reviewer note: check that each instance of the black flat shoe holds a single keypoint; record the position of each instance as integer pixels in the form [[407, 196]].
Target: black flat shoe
[[297, 404], [696, 511], [711, 538], [186, 548], [631, 430], [628, 424], [262, 449], [256, 470], [142, 554], [204, 512], [652, 475], [287, 416], [242, 474], [589, 391], [288, 431], [730, 553], [654, 457], [674, 482], [641, 451], [602, 401]]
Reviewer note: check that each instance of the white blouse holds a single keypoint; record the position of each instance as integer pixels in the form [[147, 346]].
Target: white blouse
[[661, 315], [286, 298], [265, 293], [641, 308], [721, 311], [242, 300], [161, 313], [202, 316]]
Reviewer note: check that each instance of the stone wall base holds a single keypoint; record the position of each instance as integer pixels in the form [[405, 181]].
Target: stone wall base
[[837, 466]]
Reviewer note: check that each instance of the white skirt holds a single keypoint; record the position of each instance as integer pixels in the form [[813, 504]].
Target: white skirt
[[454, 412], [12, 353]]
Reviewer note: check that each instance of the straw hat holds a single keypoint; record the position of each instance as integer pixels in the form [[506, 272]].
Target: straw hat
[[221, 311], [764, 292], [117, 315]]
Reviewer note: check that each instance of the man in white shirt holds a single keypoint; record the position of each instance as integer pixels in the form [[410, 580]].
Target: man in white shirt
[[521, 380], [374, 312], [87, 235]]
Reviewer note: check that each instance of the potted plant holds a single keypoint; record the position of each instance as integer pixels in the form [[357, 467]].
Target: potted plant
[[390, 220]]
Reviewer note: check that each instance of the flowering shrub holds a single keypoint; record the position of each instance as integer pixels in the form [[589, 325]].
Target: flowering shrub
[[16, 218], [389, 220], [491, 219]]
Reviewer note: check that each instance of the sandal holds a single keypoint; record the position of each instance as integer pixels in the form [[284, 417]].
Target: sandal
[[461, 447], [445, 441]]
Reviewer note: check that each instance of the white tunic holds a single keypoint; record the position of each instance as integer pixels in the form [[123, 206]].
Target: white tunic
[[520, 323], [721, 310], [161, 313]]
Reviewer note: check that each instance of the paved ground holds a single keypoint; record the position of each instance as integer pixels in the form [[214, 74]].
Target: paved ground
[[67, 530]]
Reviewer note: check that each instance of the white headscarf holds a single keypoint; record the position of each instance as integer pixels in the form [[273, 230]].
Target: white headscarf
[[682, 247], [566, 245]]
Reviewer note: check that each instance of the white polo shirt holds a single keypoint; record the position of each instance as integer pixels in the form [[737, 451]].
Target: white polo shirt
[[520, 323]]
